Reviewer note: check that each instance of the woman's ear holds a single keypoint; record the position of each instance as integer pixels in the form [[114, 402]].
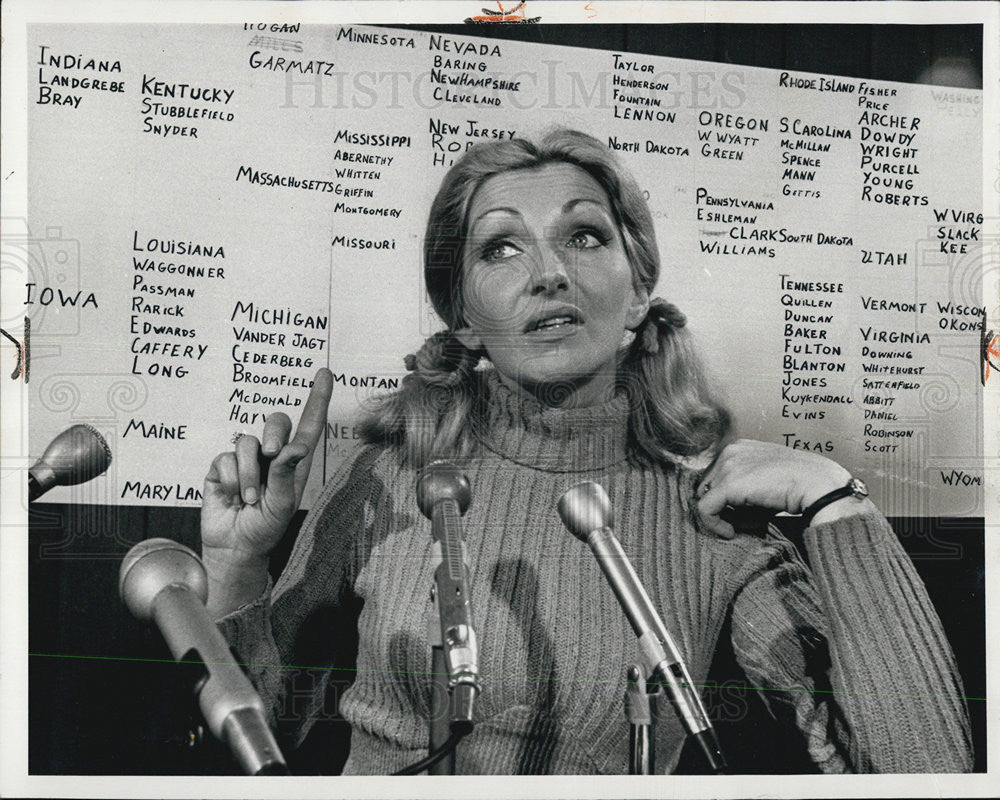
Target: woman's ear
[[469, 338], [638, 309]]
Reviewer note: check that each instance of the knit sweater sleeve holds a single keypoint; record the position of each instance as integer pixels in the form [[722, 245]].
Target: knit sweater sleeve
[[852, 652], [285, 638]]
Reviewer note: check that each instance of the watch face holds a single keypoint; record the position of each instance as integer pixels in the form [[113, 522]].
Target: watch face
[[858, 488]]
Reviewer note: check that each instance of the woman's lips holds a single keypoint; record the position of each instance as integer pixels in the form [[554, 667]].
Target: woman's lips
[[554, 321], [553, 332], [552, 317]]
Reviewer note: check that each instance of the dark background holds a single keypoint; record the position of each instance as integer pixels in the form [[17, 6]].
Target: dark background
[[104, 697]]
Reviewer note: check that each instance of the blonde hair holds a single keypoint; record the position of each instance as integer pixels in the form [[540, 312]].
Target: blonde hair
[[672, 411]]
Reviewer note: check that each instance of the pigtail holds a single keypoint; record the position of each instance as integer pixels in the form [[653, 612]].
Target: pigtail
[[428, 416], [662, 320], [673, 413], [438, 362]]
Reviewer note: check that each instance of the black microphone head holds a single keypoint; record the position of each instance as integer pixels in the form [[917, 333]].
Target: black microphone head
[[585, 508], [76, 455], [154, 564], [441, 480]]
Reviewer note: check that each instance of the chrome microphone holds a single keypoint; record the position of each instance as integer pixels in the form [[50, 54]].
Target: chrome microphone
[[164, 581], [586, 511], [443, 494], [76, 455]]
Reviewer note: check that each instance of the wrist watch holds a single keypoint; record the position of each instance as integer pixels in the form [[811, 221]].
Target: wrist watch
[[855, 488]]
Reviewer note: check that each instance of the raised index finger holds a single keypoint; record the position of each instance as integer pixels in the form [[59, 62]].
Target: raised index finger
[[313, 419]]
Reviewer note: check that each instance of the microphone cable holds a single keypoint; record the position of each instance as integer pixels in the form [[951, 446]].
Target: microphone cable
[[432, 758]]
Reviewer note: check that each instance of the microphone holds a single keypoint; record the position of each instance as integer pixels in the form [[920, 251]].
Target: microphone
[[76, 455], [443, 495], [586, 511], [164, 581]]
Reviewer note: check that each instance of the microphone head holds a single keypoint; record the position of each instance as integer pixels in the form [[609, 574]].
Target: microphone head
[[585, 508], [439, 481], [76, 455], [151, 566]]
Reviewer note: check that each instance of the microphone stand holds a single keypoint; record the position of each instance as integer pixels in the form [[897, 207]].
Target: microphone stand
[[444, 734], [639, 713], [440, 714], [443, 495]]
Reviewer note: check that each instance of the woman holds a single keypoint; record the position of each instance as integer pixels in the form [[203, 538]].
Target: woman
[[542, 258]]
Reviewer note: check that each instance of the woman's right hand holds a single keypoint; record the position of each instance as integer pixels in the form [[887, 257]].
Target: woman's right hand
[[251, 493]]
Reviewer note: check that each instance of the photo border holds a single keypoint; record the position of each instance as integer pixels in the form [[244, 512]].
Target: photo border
[[14, 551]]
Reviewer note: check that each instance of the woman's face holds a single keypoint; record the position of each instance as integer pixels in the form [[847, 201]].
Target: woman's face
[[547, 285]]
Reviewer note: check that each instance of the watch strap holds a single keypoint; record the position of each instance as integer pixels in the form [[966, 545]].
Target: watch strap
[[851, 489]]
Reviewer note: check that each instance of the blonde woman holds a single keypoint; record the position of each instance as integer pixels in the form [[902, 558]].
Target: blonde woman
[[558, 365]]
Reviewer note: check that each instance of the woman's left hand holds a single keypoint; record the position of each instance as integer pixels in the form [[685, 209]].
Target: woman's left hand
[[748, 473]]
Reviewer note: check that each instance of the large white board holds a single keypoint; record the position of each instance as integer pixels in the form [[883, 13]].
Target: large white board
[[220, 210]]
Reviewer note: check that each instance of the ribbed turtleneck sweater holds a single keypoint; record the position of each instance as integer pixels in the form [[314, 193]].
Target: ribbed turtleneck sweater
[[849, 650]]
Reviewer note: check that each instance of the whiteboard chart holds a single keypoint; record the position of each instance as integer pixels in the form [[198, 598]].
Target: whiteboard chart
[[216, 212]]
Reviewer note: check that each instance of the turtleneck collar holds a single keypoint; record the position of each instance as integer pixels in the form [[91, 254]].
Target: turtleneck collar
[[565, 440]]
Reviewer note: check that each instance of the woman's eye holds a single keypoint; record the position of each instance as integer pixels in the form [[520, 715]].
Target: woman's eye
[[497, 251], [585, 239]]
